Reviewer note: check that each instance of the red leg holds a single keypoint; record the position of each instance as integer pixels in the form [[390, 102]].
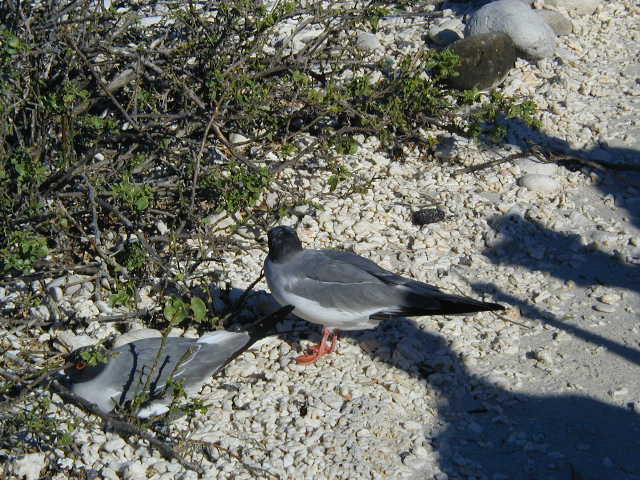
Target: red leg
[[321, 349], [334, 340], [322, 346]]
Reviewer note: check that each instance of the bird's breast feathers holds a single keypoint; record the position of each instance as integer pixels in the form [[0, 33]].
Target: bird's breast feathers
[[314, 312]]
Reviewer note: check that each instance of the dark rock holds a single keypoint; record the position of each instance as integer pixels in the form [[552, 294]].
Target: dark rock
[[445, 37], [485, 60], [427, 215]]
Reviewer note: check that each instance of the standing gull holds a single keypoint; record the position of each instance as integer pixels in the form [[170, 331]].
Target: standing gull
[[189, 361], [344, 291]]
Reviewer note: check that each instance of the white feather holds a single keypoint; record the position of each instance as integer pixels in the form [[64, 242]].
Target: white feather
[[313, 312], [152, 410], [106, 400], [219, 337]]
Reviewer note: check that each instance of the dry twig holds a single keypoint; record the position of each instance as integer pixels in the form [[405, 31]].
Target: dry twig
[[123, 428]]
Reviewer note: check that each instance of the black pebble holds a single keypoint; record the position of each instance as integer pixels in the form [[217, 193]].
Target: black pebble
[[427, 215]]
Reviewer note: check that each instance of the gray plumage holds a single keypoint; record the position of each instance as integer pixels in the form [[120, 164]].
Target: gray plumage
[[342, 290], [188, 361]]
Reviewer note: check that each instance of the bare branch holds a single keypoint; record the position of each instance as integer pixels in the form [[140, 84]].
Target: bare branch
[[123, 428]]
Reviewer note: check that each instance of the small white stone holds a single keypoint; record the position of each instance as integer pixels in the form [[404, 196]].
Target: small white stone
[[134, 471], [302, 210], [41, 312], [446, 32], [414, 462], [605, 238], [364, 228], [137, 334], [109, 473], [583, 7], [27, 467], [75, 341], [55, 293], [619, 392], [103, 306], [604, 308], [543, 356], [539, 183], [58, 282], [162, 227], [236, 138], [36, 287], [271, 199], [148, 21], [368, 41], [72, 290], [610, 298], [113, 445], [287, 460], [241, 368], [219, 221], [85, 308], [532, 165]]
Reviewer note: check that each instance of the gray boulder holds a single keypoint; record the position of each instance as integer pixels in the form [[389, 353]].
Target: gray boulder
[[529, 32]]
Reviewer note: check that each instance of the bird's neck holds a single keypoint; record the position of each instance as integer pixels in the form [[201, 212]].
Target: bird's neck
[[285, 250]]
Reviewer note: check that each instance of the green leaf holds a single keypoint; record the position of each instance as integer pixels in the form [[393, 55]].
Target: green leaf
[[199, 309], [142, 203], [333, 182], [175, 310]]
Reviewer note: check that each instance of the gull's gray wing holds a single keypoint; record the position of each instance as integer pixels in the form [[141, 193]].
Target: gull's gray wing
[[343, 281], [347, 281], [380, 273], [183, 359]]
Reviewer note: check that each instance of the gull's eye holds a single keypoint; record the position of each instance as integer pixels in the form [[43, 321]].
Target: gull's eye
[[79, 366]]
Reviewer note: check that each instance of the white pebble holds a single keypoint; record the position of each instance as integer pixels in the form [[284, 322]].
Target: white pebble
[[619, 392], [113, 445], [27, 467], [56, 293], [41, 312], [539, 183], [604, 308], [610, 299]]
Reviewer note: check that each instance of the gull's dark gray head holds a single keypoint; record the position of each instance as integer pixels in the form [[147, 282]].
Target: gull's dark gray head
[[283, 241], [81, 370]]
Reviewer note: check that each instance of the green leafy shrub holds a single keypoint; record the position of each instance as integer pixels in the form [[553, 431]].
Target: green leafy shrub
[[176, 310], [488, 118], [133, 257], [138, 197], [237, 187], [22, 251], [32, 428]]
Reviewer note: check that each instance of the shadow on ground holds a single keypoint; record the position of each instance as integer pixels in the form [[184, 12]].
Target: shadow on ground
[[490, 432], [494, 433], [566, 256]]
